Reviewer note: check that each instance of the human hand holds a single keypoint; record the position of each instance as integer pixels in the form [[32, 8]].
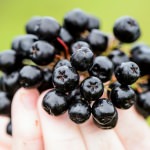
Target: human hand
[[34, 129]]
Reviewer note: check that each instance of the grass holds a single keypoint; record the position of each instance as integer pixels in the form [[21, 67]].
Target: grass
[[15, 13]]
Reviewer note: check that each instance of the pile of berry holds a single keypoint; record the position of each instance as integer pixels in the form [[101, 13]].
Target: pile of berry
[[87, 70]]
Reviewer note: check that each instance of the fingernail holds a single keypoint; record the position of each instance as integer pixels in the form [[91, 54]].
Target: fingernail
[[29, 98]]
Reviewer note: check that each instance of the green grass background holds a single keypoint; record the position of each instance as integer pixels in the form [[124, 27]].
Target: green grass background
[[15, 13]]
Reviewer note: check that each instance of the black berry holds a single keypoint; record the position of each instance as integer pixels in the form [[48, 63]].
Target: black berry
[[63, 62], [23, 43], [123, 96], [102, 68], [127, 73], [140, 55], [9, 128], [79, 44], [82, 59], [105, 115], [92, 88], [47, 80], [126, 29], [42, 53], [93, 23], [75, 21], [98, 41], [117, 57], [55, 103], [30, 77], [9, 61], [65, 79], [79, 112], [5, 104], [143, 103], [33, 25]]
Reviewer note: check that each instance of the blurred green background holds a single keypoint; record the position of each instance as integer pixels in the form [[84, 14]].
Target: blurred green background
[[15, 13]]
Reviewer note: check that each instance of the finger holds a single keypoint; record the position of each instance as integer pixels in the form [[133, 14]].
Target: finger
[[5, 139], [133, 130], [3, 147], [97, 138], [59, 132], [25, 121]]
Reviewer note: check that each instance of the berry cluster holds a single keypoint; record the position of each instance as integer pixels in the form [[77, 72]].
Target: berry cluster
[[87, 70]]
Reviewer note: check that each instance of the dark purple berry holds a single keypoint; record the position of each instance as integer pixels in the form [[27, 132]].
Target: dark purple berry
[[30, 77], [123, 96], [47, 80], [143, 103], [79, 44], [65, 78], [75, 21], [102, 68], [93, 23], [117, 57], [33, 25], [105, 115], [23, 43], [98, 41], [79, 112], [126, 29], [63, 62], [55, 103], [127, 73], [5, 104], [9, 128], [82, 59], [92, 88], [42, 53], [9, 61], [140, 55]]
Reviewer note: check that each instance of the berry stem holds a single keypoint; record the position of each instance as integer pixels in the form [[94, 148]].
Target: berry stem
[[64, 46]]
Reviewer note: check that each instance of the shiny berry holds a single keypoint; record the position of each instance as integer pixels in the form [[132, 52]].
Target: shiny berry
[[63, 62], [75, 21], [140, 55], [66, 36], [65, 79], [75, 95], [122, 96], [143, 103], [55, 103], [111, 86], [5, 104], [82, 59], [117, 57], [42, 53], [11, 83], [23, 43], [32, 25], [47, 80], [93, 23], [102, 68], [30, 76], [9, 61], [127, 73], [105, 115], [79, 112], [79, 44], [126, 29], [9, 128], [98, 41], [47, 28], [92, 88]]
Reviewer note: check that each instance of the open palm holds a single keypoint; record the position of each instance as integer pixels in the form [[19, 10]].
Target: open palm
[[34, 129]]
